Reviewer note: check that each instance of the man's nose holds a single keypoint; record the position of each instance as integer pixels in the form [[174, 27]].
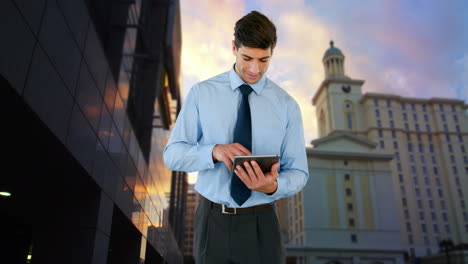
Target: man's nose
[[254, 68]]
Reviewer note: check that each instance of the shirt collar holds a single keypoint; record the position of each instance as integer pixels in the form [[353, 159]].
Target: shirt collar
[[236, 81]]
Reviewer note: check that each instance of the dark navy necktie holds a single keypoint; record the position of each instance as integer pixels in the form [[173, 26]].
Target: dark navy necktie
[[242, 135]]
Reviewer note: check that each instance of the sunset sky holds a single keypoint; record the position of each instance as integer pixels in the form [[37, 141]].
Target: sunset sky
[[411, 48]]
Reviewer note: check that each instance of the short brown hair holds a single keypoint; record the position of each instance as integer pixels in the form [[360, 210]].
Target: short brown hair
[[255, 30]]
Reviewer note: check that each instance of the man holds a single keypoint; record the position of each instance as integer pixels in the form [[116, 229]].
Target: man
[[240, 112]]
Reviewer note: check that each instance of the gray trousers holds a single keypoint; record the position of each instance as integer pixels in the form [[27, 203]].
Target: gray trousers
[[245, 238]]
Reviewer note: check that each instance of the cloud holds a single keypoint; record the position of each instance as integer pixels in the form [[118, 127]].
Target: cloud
[[207, 32]]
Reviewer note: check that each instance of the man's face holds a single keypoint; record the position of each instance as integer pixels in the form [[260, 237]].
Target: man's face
[[251, 63]]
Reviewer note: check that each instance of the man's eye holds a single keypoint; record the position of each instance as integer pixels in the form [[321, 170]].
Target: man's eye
[[263, 60], [246, 59]]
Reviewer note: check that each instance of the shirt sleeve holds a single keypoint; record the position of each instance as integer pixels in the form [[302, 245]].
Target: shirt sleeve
[[183, 151], [293, 172]]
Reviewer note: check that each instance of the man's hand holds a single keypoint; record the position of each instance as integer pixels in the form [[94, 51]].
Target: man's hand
[[254, 178], [227, 152]]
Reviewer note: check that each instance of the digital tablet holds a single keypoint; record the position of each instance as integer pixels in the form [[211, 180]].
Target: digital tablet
[[264, 161]]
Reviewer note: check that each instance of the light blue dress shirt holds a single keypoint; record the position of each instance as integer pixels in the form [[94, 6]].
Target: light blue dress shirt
[[208, 117]]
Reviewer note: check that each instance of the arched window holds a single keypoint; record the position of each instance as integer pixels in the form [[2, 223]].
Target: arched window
[[322, 123], [348, 111]]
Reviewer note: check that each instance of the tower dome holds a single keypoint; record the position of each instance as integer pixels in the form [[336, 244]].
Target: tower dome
[[333, 61]]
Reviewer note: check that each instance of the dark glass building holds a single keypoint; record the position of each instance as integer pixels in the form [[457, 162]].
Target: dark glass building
[[89, 93]]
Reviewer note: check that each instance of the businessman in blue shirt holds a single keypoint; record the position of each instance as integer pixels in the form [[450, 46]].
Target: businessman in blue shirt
[[240, 112]]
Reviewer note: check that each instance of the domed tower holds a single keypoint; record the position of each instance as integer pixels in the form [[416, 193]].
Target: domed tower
[[337, 99], [333, 61]]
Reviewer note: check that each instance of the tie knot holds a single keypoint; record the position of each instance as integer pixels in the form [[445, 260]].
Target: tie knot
[[245, 89]]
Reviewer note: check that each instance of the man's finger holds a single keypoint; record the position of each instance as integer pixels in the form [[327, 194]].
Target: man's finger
[[250, 171], [243, 149], [258, 171], [240, 172], [274, 170]]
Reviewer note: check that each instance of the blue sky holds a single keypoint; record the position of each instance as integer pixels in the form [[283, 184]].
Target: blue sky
[[410, 48]]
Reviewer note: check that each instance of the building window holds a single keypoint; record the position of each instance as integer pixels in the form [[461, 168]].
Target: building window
[[441, 107], [403, 106], [441, 193], [402, 190], [452, 159], [442, 116], [379, 123], [393, 134], [417, 127], [408, 226], [442, 204], [382, 144], [395, 145], [454, 170], [431, 148], [411, 158], [423, 159], [389, 103], [413, 107], [445, 128], [450, 148], [415, 180], [447, 137], [410, 147], [429, 137], [428, 128], [397, 155], [348, 192], [415, 117], [418, 136], [431, 204], [457, 181], [455, 118], [354, 238], [434, 161], [376, 102], [423, 228], [400, 177], [390, 114], [406, 126], [392, 124], [408, 136], [351, 222], [426, 118], [437, 181], [424, 108], [403, 201], [350, 207], [427, 181], [347, 177], [419, 204], [436, 228], [407, 214], [405, 117], [424, 169], [399, 166], [429, 193], [380, 133], [457, 127], [421, 148], [462, 148], [417, 192], [377, 113]]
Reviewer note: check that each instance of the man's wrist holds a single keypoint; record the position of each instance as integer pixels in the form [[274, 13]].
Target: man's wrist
[[276, 188]]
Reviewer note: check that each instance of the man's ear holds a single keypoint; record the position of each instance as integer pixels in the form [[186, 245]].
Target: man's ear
[[234, 48]]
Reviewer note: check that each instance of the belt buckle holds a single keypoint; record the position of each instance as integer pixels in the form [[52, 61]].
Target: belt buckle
[[223, 210]]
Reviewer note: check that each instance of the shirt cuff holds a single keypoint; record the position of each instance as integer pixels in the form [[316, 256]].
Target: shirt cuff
[[281, 190], [206, 152]]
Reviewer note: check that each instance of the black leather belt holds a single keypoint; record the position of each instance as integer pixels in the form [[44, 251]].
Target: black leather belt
[[247, 210]]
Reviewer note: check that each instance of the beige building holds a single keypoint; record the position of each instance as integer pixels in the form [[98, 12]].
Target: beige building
[[388, 175], [191, 207]]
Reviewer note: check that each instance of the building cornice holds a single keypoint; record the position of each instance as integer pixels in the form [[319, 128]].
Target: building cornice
[[326, 82], [432, 100], [344, 134], [348, 155]]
